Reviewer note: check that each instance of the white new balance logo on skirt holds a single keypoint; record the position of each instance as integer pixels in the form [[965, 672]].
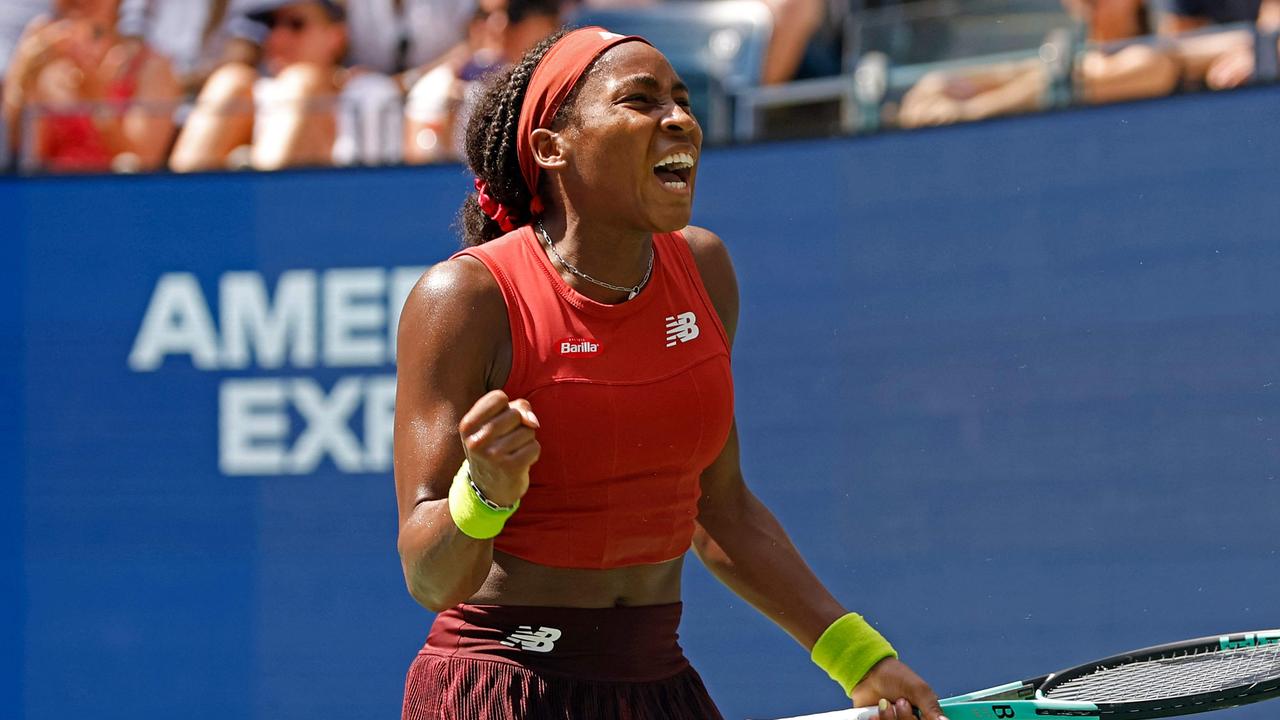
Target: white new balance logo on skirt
[[526, 638], [681, 328]]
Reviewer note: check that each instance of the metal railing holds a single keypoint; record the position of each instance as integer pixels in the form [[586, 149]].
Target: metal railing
[[367, 134], [860, 100], [862, 95]]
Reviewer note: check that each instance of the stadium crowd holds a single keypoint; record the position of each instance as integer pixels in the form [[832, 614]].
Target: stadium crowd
[[1117, 64], [188, 85]]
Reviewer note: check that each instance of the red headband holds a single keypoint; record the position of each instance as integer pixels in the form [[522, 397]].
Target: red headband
[[553, 79]]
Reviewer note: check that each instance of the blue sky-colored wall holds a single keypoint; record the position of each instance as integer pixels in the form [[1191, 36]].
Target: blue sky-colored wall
[[1013, 387]]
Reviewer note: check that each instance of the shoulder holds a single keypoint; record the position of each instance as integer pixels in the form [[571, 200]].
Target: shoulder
[[702, 240], [455, 305], [716, 269], [462, 283], [709, 251]]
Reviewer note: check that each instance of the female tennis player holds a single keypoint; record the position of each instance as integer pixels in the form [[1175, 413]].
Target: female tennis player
[[564, 418]]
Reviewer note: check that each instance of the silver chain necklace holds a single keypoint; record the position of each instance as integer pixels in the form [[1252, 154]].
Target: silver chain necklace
[[631, 291]]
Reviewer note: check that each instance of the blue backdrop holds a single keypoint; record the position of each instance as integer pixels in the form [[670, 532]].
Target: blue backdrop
[[1013, 387]]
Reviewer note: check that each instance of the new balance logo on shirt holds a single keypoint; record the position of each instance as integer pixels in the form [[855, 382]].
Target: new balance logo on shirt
[[542, 640], [681, 328]]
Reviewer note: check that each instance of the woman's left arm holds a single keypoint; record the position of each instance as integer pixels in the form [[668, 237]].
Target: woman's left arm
[[744, 546]]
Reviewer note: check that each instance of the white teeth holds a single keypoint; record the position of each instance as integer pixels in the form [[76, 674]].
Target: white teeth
[[676, 161], [675, 185]]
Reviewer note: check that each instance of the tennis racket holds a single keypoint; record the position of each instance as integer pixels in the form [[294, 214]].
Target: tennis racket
[[1177, 679]]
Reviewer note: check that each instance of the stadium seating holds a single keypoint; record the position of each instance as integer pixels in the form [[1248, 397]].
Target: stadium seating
[[717, 47]]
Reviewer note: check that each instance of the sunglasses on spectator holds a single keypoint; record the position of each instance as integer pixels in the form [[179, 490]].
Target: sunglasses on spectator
[[293, 24]]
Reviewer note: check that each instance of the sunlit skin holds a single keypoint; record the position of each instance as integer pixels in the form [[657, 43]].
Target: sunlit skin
[[76, 57], [87, 32], [302, 33], [632, 110], [102, 12], [296, 127], [493, 37], [1108, 20], [603, 203]]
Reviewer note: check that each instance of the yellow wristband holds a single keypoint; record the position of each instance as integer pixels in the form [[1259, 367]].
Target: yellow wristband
[[473, 516], [849, 649]]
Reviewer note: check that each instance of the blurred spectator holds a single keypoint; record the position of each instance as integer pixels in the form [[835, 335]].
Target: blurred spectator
[[404, 37], [1216, 60], [387, 45], [392, 44], [196, 35], [1104, 73], [439, 104], [795, 24], [79, 96], [286, 117]]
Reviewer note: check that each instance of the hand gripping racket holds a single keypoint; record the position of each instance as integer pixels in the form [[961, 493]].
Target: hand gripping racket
[[1177, 679]]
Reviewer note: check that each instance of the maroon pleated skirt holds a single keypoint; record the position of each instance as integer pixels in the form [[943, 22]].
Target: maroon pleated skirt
[[496, 662]]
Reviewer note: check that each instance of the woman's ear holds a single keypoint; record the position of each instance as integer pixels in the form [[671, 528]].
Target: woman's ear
[[550, 150]]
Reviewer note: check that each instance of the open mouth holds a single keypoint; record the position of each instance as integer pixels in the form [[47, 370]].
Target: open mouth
[[673, 171]]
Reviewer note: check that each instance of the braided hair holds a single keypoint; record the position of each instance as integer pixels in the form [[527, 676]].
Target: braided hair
[[491, 147]]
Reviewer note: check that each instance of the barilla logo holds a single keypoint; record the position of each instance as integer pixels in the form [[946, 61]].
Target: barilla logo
[[1228, 642], [578, 346]]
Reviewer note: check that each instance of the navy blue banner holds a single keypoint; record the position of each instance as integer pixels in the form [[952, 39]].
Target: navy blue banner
[[1013, 387]]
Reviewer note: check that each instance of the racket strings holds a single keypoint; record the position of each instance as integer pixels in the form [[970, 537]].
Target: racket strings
[[1179, 676]]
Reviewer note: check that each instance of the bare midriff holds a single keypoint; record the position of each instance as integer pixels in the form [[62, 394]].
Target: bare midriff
[[513, 581]]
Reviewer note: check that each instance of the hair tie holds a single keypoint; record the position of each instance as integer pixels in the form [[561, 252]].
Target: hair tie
[[491, 207]]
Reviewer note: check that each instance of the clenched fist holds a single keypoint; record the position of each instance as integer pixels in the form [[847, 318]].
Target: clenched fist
[[500, 437]]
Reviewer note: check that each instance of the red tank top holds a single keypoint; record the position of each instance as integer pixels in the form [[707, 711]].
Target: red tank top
[[635, 400], [72, 141]]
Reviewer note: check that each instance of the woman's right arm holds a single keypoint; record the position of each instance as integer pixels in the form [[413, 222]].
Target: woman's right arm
[[450, 351]]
